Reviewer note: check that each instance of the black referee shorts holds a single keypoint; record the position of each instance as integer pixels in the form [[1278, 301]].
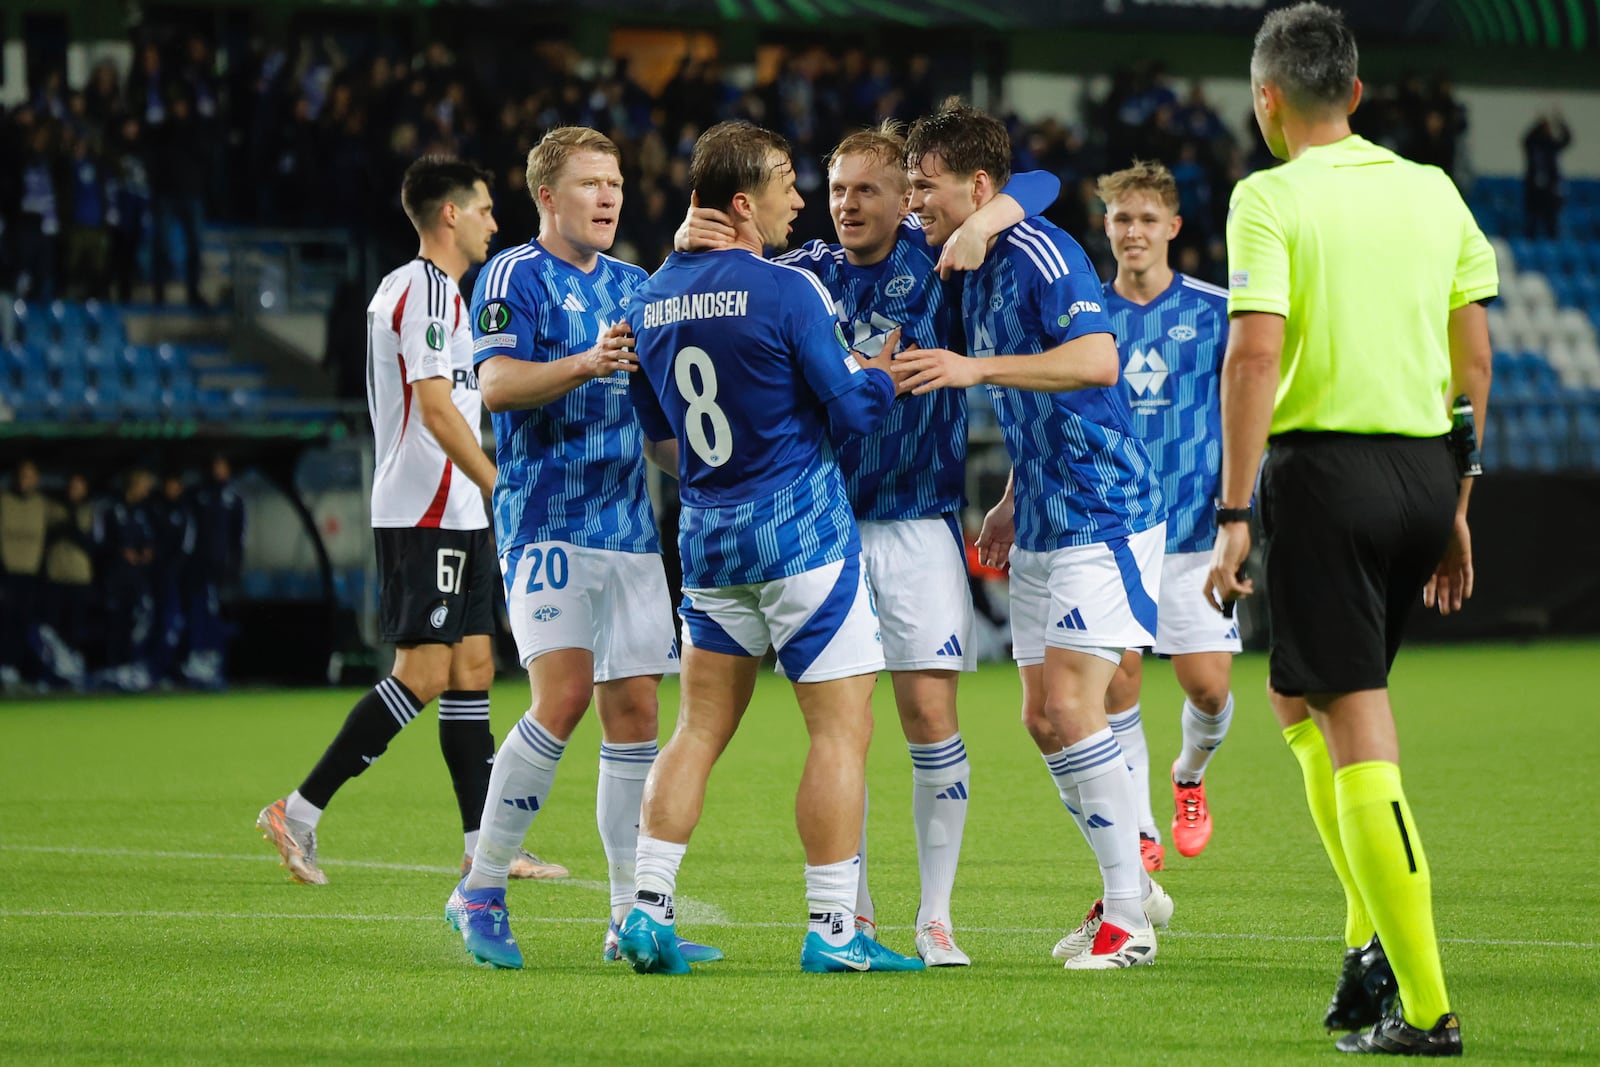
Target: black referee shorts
[[1354, 526], [436, 586]]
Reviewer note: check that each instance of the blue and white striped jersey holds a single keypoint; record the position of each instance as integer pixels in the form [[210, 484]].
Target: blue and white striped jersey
[[1172, 363], [914, 465], [572, 470], [743, 362], [1081, 474]]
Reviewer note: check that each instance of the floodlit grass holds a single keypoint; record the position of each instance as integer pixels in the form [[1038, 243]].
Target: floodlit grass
[[142, 919]]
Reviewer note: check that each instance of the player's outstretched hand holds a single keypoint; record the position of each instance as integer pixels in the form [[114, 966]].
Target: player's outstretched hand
[[998, 534], [965, 249], [704, 229], [884, 360], [612, 353], [1226, 582], [1451, 583], [926, 369]]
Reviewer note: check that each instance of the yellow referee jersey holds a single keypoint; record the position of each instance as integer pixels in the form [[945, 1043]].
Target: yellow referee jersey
[[1364, 254]]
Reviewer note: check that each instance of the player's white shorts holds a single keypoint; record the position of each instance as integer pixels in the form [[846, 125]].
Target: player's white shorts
[[918, 570], [1098, 598], [1187, 622], [821, 622], [615, 604]]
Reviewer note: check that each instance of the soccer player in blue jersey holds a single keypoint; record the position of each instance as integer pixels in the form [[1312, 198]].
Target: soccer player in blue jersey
[[585, 589], [1081, 522], [1171, 331], [906, 482], [745, 379]]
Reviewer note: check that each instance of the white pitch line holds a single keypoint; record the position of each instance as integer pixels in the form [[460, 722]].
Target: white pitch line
[[693, 912]]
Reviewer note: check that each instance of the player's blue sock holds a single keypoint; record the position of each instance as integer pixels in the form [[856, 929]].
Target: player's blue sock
[[624, 766], [524, 769], [1129, 728], [1105, 789], [830, 896], [1202, 735], [940, 780]]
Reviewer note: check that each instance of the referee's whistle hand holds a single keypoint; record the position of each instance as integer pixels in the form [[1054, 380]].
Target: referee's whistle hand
[[1226, 582]]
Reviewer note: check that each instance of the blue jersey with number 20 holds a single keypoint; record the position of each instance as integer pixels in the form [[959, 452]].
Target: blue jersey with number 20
[[742, 360]]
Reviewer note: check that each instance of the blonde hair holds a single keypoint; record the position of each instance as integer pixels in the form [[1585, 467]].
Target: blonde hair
[[546, 158], [1143, 177], [884, 144]]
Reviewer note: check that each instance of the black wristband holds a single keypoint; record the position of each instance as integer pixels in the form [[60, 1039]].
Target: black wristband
[[1227, 514]]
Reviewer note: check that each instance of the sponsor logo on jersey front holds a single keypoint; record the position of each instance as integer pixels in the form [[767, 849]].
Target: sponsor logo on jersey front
[[1146, 373]]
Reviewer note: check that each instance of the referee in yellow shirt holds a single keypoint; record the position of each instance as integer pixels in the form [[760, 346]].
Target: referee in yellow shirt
[[1356, 283]]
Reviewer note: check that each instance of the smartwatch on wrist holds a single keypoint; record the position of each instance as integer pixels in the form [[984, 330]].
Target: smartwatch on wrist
[[1226, 514]]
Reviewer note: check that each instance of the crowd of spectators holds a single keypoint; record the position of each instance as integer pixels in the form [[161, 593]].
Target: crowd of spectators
[[123, 590], [303, 134]]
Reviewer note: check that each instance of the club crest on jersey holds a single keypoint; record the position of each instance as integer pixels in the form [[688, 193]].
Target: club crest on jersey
[[1182, 332], [546, 612], [438, 616], [898, 286], [493, 317], [435, 336]]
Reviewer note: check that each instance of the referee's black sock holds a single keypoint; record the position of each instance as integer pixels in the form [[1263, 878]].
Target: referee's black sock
[[468, 747], [380, 714]]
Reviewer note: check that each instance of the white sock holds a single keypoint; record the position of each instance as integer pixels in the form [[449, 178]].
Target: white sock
[[656, 873], [471, 842], [300, 809], [1129, 728], [940, 777], [1105, 788], [1202, 734], [864, 906], [1068, 789], [623, 768], [519, 786], [830, 892]]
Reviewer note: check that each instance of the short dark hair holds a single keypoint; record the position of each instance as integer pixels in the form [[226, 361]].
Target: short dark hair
[[431, 181], [966, 139], [1309, 53], [730, 158]]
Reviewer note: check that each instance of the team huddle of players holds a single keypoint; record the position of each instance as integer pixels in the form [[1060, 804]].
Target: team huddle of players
[[812, 407]]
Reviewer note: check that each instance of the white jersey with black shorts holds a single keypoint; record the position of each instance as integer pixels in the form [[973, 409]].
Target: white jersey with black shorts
[[437, 575]]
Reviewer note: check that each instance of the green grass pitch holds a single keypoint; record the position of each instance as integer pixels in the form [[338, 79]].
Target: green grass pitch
[[142, 919]]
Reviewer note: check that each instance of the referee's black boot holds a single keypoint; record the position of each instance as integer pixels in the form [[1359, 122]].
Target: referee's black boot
[[1365, 991], [1393, 1036]]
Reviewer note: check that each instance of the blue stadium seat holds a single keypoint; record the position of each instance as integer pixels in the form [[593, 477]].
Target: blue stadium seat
[[142, 398], [73, 322], [178, 398], [38, 324], [172, 358], [110, 330], [98, 359], [32, 396]]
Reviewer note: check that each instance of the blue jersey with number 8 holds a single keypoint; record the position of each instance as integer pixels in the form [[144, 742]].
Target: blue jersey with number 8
[[742, 361]]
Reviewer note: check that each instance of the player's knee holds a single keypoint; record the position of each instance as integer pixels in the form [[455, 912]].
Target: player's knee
[[559, 704], [1038, 725], [426, 680], [1208, 697]]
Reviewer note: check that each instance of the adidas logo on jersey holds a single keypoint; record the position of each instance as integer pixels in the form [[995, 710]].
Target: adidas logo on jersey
[[951, 647], [1233, 633], [1072, 620], [955, 792], [572, 303], [672, 653]]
